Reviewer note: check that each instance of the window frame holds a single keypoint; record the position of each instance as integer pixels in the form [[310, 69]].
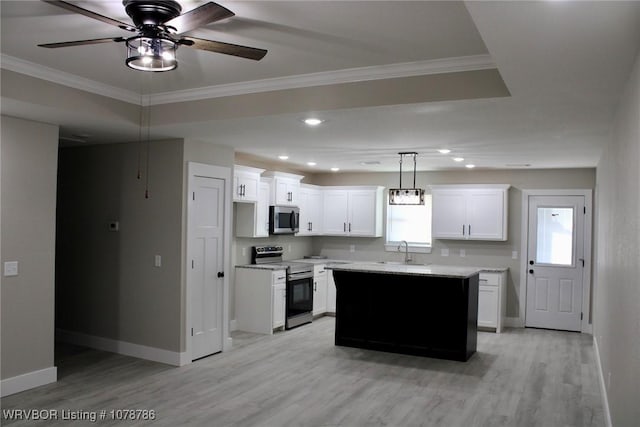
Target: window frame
[[414, 247]]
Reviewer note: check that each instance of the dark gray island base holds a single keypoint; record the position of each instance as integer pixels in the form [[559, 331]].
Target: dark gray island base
[[409, 313]]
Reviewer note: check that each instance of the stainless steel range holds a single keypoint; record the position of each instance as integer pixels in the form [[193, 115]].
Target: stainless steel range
[[299, 305]]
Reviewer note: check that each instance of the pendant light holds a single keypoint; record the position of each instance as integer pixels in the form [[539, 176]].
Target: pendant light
[[407, 196]]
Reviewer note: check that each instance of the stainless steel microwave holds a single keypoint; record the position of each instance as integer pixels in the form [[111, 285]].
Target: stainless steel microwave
[[284, 219]]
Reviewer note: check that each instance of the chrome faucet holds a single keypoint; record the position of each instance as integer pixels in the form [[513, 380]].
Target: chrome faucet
[[407, 257]]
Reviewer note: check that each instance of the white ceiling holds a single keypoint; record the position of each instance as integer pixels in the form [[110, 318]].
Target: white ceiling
[[563, 63]]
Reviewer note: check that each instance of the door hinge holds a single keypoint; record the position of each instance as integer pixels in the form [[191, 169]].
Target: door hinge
[[194, 196], [580, 316], [191, 331], [193, 264], [584, 209]]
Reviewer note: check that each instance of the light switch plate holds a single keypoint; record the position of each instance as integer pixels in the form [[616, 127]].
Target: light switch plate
[[11, 268], [463, 253], [157, 261], [514, 255], [352, 248], [444, 252]]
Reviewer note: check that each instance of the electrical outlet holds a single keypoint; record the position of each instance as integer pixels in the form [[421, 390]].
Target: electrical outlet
[[463, 253], [444, 252], [157, 261], [514, 255], [244, 251], [352, 248], [289, 247]]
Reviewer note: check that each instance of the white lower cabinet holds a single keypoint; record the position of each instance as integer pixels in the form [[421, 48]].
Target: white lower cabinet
[[319, 289], [331, 293], [492, 300], [279, 301], [260, 299]]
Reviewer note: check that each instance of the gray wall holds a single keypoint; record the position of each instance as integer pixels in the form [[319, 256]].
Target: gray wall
[[484, 254], [29, 165], [617, 291], [107, 284]]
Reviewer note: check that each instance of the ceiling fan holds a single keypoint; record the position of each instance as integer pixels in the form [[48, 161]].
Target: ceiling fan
[[159, 27]]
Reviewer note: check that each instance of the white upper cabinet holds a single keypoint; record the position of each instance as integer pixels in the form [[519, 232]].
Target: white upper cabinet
[[252, 219], [285, 188], [245, 183], [353, 211], [310, 203], [470, 212]]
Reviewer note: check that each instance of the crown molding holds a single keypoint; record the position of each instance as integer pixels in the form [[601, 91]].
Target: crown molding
[[349, 75], [38, 71]]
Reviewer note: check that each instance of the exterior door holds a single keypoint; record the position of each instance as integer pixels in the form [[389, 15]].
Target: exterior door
[[555, 262], [207, 261]]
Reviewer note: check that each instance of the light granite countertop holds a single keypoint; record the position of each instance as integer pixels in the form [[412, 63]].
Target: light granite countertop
[[329, 261], [408, 269]]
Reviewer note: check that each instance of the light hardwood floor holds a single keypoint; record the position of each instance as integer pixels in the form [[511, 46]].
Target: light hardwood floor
[[523, 377]]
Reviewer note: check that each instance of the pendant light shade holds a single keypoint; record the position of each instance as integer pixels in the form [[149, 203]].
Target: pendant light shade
[[407, 196], [151, 53]]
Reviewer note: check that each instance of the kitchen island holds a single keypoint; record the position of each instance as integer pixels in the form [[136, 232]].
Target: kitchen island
[[421, 310]]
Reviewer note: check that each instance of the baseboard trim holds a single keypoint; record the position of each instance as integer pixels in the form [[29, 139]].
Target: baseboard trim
[[513, 322], [603, 389], [122, 347], [28, 381]]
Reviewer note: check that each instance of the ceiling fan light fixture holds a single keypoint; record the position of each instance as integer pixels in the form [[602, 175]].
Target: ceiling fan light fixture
[[151, 53]]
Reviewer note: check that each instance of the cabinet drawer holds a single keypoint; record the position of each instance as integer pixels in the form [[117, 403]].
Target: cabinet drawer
[[489, 279]]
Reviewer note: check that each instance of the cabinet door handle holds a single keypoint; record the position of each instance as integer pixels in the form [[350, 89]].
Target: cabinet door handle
[[469, 229], [463, 229], [349, 227], [344, 228]]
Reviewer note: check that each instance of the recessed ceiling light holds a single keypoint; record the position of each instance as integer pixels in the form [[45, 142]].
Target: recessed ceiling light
[[283, 157], [311, 163], [458, 159], [370, 162], [470, 166], [444, 151], [312, 121], [335, 169]]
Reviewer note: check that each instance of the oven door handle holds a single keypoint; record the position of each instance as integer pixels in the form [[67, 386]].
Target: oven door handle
[[299, 276]]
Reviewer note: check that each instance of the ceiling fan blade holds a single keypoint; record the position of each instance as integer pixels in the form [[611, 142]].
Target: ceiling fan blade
[[76, 9], [198, 17], [82, 42], [226, 48]]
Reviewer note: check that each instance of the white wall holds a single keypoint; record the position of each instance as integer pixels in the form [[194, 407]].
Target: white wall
[[617, 291], [29, 167]]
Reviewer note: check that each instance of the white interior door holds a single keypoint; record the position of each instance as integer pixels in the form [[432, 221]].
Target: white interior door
[[207, 220], [555, 262]]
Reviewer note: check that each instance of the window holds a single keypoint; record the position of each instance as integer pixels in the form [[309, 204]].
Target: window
[[410, 223]]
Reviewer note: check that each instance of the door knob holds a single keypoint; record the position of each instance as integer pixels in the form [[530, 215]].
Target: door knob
[[531, 271], [220, 274], [531, 262]]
